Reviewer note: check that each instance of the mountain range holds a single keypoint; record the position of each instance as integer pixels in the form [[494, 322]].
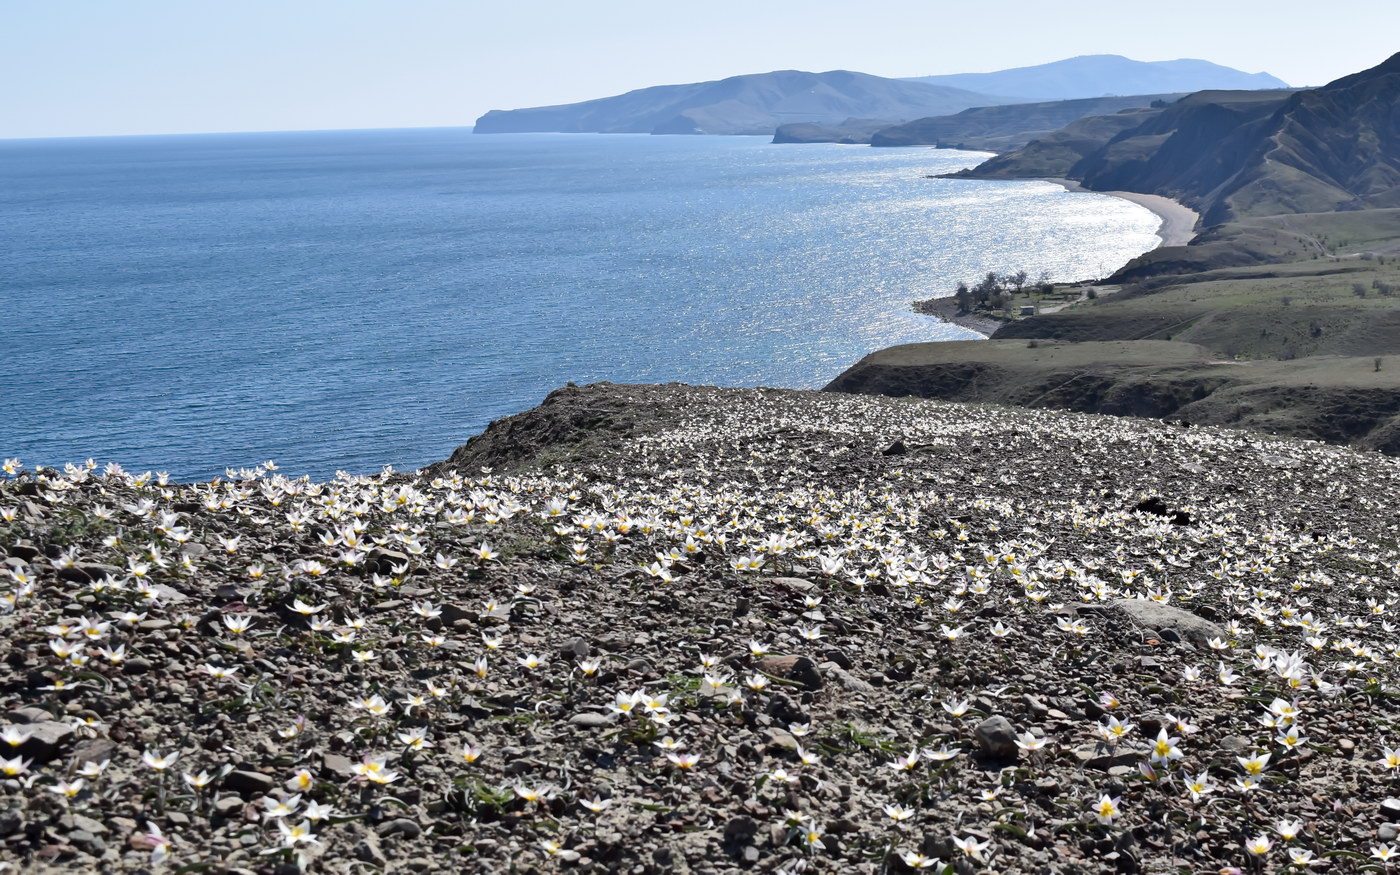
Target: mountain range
[[1238, 154], [751, 104], [1106, 75], [761, 102]]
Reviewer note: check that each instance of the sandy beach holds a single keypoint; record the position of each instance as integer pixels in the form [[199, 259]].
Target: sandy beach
[[1178, 226]]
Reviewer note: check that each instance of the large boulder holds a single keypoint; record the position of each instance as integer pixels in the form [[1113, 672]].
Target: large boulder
[[1146, 615]]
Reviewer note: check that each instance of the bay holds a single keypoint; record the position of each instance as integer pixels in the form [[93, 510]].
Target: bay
[[351, 299]]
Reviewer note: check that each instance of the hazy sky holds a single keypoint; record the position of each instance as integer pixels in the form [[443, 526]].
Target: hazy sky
[[86, 67]]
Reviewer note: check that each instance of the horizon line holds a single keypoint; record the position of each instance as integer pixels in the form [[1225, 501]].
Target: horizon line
[[255, 131]]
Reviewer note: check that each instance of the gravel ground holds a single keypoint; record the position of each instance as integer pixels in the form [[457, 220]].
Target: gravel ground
[[666, 628]]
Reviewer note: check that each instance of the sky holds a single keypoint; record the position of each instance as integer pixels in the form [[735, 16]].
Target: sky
[[108, 67]]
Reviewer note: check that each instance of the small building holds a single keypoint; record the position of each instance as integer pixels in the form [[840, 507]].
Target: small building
[[1027, 309]]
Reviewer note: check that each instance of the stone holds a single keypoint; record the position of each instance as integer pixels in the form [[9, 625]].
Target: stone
[[1234, 745], [997, 737], [846, 679], [1391, 808], [794, 583], [86, 824], [340, 765], [793, 668], [1155, 617], [253, 783], [453, 614], [367, 850], [46, 737], [1388, 832], [782, 709], [1153, 505], [781, 738], [228, 806], [1100, 758], [1154, 722], [167, 595], [382, 561], [593, 720], [28, 714], [74, 574], [574, 648], [400, 826], [26, 551], [839, 658]]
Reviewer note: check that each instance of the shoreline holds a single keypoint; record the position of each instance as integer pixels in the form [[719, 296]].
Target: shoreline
[[1177, 228]]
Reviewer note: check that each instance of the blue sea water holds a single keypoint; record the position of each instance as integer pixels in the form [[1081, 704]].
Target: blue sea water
[[346, 300]]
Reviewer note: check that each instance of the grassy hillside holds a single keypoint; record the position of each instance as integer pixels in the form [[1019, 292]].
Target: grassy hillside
[[1279, 287], [1338, 399]]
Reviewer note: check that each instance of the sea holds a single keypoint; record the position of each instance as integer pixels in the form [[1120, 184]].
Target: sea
[[347, 300]]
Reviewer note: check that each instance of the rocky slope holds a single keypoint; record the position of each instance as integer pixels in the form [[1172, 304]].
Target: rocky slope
[[1180, 150], [751, 104], [673, 629]]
